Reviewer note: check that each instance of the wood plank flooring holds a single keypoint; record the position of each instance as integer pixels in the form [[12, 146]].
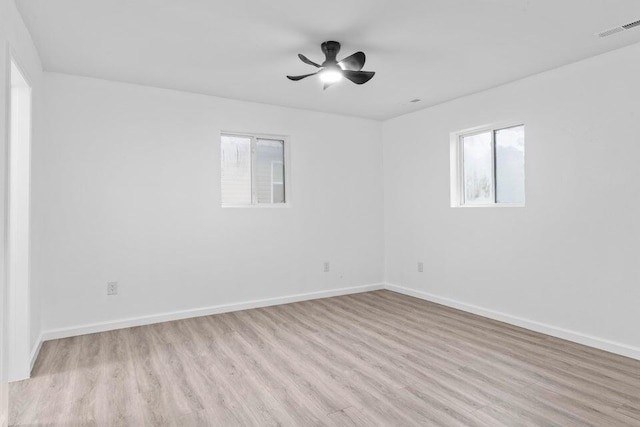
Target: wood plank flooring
[[377, 358]]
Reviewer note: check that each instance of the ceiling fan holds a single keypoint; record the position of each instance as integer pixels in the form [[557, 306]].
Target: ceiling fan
[[332, 71]]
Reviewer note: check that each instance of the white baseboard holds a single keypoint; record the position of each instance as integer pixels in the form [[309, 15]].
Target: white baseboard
[[25, 374], [32, 360], [204, 311], [35, 352], [580, 338], [588, 340]]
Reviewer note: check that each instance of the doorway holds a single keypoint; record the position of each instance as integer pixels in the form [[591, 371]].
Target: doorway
[[18, 236]]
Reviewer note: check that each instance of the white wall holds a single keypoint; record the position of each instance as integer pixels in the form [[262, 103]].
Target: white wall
[[569, 259], [5, 88], [129, 191], [14, 40]]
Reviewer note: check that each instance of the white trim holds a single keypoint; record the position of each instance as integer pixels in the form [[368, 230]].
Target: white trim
[[494, 205], [254, 137], [277, 182], [577, 337], [457, 164], [198, 312], [4, 228], [35, 352], [19, 291], [580, 338], [260, 205]]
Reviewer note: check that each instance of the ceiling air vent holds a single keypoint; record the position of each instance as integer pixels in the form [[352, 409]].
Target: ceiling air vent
[[619, 29], [631, 25]]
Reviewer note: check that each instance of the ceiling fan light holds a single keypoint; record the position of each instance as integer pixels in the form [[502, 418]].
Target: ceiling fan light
[[330, 76]]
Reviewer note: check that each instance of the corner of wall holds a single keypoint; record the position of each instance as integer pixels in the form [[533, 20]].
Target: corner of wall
[[565, 334]]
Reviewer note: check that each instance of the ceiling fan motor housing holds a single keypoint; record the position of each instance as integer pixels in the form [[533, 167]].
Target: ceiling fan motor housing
[[330, 50]]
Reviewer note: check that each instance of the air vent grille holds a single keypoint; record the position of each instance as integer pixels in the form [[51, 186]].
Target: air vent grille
[[611, 32], [616, 30], [631, 25]]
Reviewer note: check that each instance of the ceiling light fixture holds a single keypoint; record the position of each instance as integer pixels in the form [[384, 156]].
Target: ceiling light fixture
[[330, 76], [332, 71]]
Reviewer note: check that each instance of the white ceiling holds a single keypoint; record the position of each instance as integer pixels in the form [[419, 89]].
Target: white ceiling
[[434, 50]]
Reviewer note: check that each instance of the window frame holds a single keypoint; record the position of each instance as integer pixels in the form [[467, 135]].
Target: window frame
[[283, 183], [254, 137], [457, 165]]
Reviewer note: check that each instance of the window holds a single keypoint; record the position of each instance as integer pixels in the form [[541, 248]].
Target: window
[[488, 167], [253, 170]]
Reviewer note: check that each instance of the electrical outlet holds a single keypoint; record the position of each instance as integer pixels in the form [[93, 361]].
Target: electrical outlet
[[327, 267], [420, 267], [112, 288]]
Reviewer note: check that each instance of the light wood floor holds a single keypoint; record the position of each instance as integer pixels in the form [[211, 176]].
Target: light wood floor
[[377, 358]]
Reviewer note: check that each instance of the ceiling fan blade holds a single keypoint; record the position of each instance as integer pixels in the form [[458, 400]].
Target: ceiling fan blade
[[354, 62], [307, 60], [358, 77], [296, 78]]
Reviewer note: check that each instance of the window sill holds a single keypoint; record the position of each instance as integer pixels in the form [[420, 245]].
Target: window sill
[[260, 206], [495, 205]]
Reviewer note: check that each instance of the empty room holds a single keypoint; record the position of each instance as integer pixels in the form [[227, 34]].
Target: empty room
[[341, 213]]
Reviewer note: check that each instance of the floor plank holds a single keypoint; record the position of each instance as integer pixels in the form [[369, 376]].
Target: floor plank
[[376, 358]]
